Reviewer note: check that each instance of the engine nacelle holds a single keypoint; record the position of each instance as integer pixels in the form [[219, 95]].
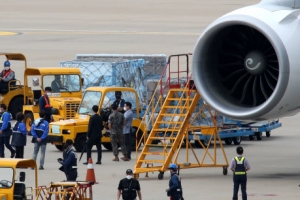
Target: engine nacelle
[[246, 64]]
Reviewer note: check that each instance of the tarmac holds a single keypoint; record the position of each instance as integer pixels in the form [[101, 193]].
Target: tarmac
[[48, 32]]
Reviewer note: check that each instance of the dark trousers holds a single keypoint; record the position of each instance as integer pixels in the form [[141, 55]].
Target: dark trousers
[[127, 138], [3, 87], [71, 175], [5, 141], [175, 198], [237, 181], [19, 152], [48, 118], [89, 149]]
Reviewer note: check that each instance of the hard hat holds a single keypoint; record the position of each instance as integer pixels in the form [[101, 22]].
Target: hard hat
[[172, 166], [7, 64]]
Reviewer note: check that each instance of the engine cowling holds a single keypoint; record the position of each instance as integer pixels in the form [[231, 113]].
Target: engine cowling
[[246, 64]]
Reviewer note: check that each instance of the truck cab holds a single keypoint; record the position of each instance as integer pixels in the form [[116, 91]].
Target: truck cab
[[64, 98], [12, 181], [76, 128]]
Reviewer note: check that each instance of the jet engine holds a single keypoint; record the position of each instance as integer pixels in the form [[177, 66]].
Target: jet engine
[[246, 64]]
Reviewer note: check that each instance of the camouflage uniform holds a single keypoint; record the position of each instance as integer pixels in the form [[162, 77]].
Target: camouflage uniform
[[116, 119]]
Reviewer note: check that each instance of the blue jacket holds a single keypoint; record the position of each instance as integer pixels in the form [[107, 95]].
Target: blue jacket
[[40, 129], [70, 162], [175, 185], [5, 127], [19, 134]]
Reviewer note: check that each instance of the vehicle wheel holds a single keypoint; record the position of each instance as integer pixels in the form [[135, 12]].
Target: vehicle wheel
[[28, 122], [80, 142], [225, 171], [268, 133], [258, 135], [16, 105], [237, 140], [161, 175], [59, 147], [134, 140], [205, 143], [107, 146], [228, 141], [251, 137]]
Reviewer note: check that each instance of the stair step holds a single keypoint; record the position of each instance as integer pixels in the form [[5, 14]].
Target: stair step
[[170, 129], [178, 107], [155, 153], [173, 114], [169, 122], [162, 138], [179, 99], [159, 145]]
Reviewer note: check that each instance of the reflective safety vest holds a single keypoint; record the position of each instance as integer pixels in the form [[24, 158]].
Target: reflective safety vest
[[240, 166], [47, 105], [5, 74]]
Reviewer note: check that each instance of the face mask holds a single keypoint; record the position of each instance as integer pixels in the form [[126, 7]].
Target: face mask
[[129, 177], [125, 108], [6, 68]]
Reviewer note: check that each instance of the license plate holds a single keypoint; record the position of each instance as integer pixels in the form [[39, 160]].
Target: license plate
[[55, 129]]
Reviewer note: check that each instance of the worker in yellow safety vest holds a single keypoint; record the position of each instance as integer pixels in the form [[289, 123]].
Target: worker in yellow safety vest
[[239, 165]]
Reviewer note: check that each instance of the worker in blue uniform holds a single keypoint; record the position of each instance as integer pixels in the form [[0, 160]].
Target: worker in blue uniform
[[239, 165], [69, 164], [175, 189]]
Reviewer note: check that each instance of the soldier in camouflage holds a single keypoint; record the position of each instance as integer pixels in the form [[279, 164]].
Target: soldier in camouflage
[[116, 123]]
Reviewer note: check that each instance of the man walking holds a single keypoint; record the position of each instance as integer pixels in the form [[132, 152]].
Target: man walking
[[39, 131], [69, 163], [128, 115], [239, 165], [94, 135], [5, 132], [175, 189], [115, 125], [129, 187]]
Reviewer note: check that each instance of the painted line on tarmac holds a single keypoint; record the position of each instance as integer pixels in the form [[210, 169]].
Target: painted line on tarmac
[[110, 33], [5, 33]]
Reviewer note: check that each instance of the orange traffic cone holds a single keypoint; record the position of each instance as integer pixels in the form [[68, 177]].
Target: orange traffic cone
[[90, 174]]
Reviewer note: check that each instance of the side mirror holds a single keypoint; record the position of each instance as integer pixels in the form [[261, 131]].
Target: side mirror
[[22, 176]]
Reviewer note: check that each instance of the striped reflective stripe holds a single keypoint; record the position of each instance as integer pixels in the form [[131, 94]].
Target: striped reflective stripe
[[90, 166], [239, 173]]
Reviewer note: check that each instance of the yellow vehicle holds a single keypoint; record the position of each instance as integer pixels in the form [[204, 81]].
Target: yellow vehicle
[[76, 129], [65, 100], [22, 97], [12, 179], [13, 185]]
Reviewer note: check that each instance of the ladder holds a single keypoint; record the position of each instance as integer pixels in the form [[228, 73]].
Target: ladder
[[173, 126]]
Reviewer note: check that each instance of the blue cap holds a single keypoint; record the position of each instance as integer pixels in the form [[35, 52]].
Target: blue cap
[[172, 166], [7, 64]]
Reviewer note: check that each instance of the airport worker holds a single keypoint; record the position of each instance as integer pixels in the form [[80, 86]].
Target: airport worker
[[39, 131], [115, 125], [69, 163], [175, 189], [5, 132], [239, 165], [44, 103], [6, 75], [94, 135], [127, 130], [56, 84], [119, 102], [129, 187], [19, 135]]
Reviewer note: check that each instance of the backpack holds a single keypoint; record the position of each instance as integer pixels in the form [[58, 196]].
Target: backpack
[[129, 189]]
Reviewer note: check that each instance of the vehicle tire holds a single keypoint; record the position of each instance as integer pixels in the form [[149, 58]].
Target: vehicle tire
[[107, 146], [80, 142], [251, 137], [268, 133], [258, 135], [225, 171], [161, 175], [16, 105], [28, 122], [228, 141], [59, 147], [237, 140]]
